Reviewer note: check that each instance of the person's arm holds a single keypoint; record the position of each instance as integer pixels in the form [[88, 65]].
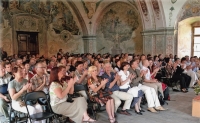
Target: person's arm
[[14, 95], [125, 81], [4, 97], [95, 89], [137, 79], [151, 80], [61, 94], [117, 77], [42, 85]]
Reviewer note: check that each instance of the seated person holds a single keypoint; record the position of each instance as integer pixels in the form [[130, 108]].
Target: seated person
[[150, 94], [148, 81], [124, 85], [95, 85], [17, 89], [59, 89], [81, 76], [4, 79], [179, 75], [117, 95], [40, 80]]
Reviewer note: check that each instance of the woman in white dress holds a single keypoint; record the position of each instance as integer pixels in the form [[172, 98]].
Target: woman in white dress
[[124, 85]]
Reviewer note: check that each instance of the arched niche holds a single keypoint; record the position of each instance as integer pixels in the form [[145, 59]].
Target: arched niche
[[185, 35], [119, 22]]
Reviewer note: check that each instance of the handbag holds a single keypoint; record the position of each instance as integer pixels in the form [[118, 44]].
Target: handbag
[[103, 94], [4, 89]]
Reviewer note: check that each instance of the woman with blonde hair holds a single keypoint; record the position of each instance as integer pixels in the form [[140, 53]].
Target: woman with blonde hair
[[96, 85]]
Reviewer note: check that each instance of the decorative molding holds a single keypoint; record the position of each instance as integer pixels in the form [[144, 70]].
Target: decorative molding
[[156, 8], [164, 31]]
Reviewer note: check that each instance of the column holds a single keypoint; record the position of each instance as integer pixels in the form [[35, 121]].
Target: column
[[89, 44]]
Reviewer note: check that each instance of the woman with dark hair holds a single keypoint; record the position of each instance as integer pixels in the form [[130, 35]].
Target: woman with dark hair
[[124, 85], [118, 65], [59, 89]]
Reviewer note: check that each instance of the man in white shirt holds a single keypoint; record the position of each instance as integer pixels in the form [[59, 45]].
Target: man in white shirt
[[148, 81]]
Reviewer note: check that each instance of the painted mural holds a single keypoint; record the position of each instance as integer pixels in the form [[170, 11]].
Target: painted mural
[[90, 6], [120, 27], [190, 9], [57, 23]]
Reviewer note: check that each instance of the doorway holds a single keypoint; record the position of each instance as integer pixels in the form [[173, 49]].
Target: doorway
[[27, 43]]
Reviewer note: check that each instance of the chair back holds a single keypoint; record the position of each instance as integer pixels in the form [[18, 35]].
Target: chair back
[[34, 96]]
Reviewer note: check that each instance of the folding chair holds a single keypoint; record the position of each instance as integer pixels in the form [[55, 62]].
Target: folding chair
[[34, 96]]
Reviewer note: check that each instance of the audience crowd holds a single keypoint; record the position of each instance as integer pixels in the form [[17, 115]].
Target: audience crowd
[[125, 78]]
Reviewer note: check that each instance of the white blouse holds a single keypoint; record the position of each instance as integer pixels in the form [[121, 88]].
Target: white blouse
[[123, 78]]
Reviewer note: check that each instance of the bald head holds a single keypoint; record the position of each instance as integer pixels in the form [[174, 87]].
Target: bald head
[[145, 63]]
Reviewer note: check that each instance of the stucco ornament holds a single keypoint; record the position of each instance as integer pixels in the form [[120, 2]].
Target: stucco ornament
[[173, 1], [65, 36]]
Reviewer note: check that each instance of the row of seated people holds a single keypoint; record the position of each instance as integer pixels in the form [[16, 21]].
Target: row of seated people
[[128, 84]]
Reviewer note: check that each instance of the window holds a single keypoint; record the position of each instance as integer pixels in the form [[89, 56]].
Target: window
[[196, 46]]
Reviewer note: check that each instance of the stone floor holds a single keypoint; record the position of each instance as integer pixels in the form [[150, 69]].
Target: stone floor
[[179, 111]]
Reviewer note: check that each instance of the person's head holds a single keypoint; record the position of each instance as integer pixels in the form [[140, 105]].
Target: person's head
[[187, 58], [118, 62], [60, 50], [96, 63], [177, 60], [79, 58], [142, 57], [24, 58], [57, 73], [32, 61], [79, 66], [107, 67], [85, 64], [26, 65], [61, 72], [2, 69], [92, 71], [183, 60], [73, 61], [192, 59], [170, 56], [52, 63], [125, 66], [8, 67], [167, 60], [40, 67], [18, 72], [63, 62], [150, 61], [134, 63], [160, 56], [145, 63], [155, 58], [19, 62]]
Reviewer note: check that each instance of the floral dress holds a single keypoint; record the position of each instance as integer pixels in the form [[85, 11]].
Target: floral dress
[[94, 96]]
